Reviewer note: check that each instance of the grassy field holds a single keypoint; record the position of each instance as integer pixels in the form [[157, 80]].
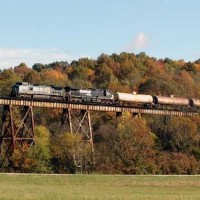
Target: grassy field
[[98, 187]]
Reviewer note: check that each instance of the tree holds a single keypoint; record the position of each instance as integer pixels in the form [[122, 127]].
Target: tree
[[41, 150], [7, 78], [156, 86], [105, 139], [33, 77], [103, 76], [35, 158], [177, 163], [53, 77], [22, 70], [84, 62], [187, 86], [135, 146], [129, 148], [69, 153], [177, 134], [38, 67], [80, 76], [183, 134]]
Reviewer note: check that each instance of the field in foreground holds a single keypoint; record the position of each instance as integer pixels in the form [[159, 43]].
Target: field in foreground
[[98, 187]]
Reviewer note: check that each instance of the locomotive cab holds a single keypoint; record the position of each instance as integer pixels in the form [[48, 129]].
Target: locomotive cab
[[16, 89]]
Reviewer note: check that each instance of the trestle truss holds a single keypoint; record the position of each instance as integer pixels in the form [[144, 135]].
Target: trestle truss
[[79, 122], [17, 131]]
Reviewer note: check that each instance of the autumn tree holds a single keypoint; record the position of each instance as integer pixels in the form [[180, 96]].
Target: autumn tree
[[177, 163], [135, 146], [53, 77], [129, 148], [22, 70]]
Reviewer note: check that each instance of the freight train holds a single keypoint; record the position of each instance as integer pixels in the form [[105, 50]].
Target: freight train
[[26, 90]]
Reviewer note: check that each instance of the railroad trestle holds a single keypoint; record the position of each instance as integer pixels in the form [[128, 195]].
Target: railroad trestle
[[17, 128]]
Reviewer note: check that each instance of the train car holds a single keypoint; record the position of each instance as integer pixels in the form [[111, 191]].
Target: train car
[[134, 98], [102, 95], [164, 100], [77, 94], [25, 90], [194, 102], [88, 95]]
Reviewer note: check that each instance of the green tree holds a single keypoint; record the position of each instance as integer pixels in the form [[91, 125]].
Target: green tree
[[33, 77], [70, 153], [41, 151], [8, 78], [177, 134], [80, 76], [38, 67], [36, 158]]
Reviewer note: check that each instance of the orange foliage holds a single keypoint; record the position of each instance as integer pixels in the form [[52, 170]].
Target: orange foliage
[[54, 77], [54, 73], [197, 66], [90, 72]]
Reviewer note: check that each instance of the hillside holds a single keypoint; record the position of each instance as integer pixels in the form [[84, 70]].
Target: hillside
[[150, 145]]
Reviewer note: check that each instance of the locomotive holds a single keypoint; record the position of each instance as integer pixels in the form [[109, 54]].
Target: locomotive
[[72, 94], [26, 90]]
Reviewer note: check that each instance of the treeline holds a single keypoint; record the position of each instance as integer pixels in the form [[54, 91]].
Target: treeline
[[131, 145]]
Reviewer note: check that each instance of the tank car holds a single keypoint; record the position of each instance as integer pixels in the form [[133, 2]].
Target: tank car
[[194, 102], [171, 100], [134, 98]]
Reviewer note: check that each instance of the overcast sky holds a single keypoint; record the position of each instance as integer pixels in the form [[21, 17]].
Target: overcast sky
[[42, 31]]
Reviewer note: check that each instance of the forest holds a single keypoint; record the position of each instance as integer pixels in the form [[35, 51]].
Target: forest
[[135, 145]]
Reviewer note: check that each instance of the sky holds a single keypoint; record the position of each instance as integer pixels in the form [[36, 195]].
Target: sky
[[45, 31]]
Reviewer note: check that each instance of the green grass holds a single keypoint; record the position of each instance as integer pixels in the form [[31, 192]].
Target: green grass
[[98, 187]]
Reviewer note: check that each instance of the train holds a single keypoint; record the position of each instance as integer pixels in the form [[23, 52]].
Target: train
[[73, 94]]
